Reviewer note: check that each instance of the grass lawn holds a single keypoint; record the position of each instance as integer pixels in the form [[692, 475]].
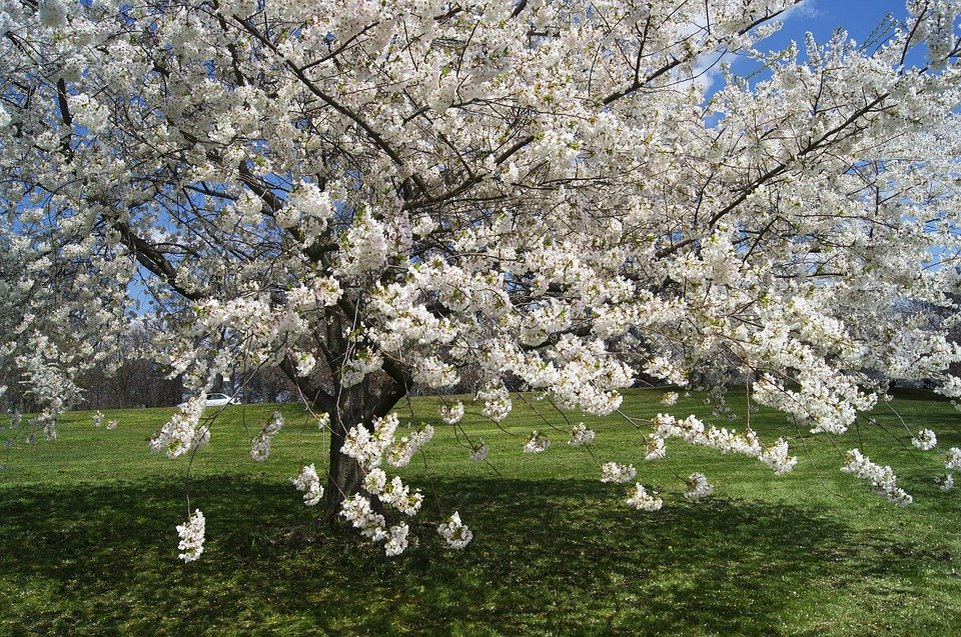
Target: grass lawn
[[88, 544]]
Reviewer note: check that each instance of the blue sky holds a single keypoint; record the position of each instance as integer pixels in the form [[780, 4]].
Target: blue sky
[[860, 18], [822, 17]]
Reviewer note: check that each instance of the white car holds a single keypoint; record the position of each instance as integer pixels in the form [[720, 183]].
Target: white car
[[219, 400]]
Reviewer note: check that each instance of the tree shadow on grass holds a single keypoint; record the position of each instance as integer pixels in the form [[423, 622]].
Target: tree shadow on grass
[[561, 557]]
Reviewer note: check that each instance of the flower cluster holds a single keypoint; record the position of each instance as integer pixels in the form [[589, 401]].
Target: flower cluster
[[396, 539], [181, 433], [581, 435], [323, 421], [945, 482], [497, 402], [367, 447], [192, 536], [663, 368], [655, 449], [432, 372], [882, 479], [669, 398], [640, 499], [365, 362], [925, 440], [953, 460], [304, 362], [452, 414], [358, 511], [371, 448], [478, 451], [308, 482], [536, 443], [393, 493], [698, 487], [776, 456], [457, 534], [260, 446], [399, 453], [618, 473], [692, 430]]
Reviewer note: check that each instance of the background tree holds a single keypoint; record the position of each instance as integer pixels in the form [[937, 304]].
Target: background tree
[[128, 377], [373, 196]]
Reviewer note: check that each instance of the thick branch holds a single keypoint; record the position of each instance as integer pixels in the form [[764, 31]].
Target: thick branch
[[312, 391], [152, 259]]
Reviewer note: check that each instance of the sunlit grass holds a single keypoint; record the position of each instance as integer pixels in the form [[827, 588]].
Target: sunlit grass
[[89, 545]]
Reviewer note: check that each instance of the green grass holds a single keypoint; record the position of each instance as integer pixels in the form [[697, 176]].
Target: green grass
[[88, 545]]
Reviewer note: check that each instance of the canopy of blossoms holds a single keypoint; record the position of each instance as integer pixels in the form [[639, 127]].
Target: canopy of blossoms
[[378, 196]]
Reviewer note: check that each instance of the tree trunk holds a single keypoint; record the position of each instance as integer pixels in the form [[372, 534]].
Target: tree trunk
[[346, 476], [374, 397], [361, 404]]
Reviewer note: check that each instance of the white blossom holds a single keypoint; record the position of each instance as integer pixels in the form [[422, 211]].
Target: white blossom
[[882, 479], [399, 453], [364, 363], [953, 460], [260, 446], [328, 291], [308, 482], [192, 536], [698, 487], [396, 540], [640, 499], [452, 414], [182, 432], [694, 431], [945, 482], [925, 440], [53, 13], [478, 451], [497, 402], [357, 510], [398, 496], [375, 481], [455, 532], [777, 457], [655, 449], [536, 443], [366, 446], [305, 363], [663, 368], [581, 435], [614, 472]]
